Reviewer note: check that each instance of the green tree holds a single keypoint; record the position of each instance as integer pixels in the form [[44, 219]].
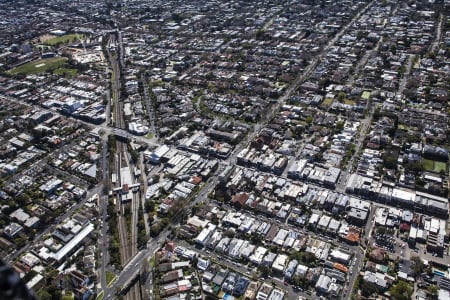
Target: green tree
[[55, 291], [264, 270], [415, 167], [341, 97], [28, 276], [44, 295], [298, 281], [401, 291], [294, 254], [155, 229], [134, 156], [309, 259], [432, 290], [211, 297], [229, 233], [381, 230], [149, 206], [318, 156], [260, 34], [339, 125], [177, 17], [23, 199], [417, 266], [367, 289], [155, 178], [390, 162]]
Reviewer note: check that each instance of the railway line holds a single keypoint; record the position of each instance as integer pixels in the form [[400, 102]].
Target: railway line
[[127, 231]]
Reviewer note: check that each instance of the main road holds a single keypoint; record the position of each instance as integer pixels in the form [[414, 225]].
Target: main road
[[132, 268]]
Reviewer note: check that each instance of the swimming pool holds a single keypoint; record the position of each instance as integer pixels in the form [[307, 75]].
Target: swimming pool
[[439, 273]]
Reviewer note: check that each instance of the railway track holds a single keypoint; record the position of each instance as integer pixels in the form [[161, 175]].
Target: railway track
[[127, 236]]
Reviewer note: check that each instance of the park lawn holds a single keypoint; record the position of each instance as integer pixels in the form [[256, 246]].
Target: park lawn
[[109, 278], [439, 165], [281, 85], [365, 95], [349, 102], [327, 102], [64, 39], [39, 66], [100, 296], [66, 72], [44, 48], [428, 164], [433, 166], [68, 296], [152, 262]]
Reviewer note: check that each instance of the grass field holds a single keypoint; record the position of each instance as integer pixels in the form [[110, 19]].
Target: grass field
[[44, 48], [365, 95], [433, 166], [327, 102], [66, 72], [152, 262], [39, 66], [64, 39], [68, 296], [100, 296], [110, 278], [349, 102]]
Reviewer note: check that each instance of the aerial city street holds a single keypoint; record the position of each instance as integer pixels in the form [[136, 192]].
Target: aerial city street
[[226, 150]]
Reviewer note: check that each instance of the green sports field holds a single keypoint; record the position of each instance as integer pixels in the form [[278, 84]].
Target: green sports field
[[433, 166], [39, 66], [64, 39]]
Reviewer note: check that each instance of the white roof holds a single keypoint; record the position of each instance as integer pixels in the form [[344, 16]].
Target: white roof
[[337, 254], [258, 255], [280, 262], [20, 215], [73, 243], [161, 150], [35, 280], [404, 195], [29, 259], [276, 294]]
